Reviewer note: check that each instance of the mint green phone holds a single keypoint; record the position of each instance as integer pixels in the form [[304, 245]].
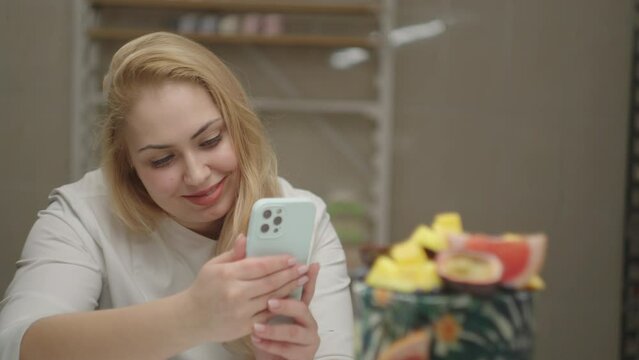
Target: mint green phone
[[281, 226]]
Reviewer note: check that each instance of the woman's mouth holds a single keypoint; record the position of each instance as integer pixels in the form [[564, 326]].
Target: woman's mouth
[[208, 196]]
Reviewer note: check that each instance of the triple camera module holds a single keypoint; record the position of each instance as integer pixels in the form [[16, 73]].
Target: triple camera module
[[273, 220]]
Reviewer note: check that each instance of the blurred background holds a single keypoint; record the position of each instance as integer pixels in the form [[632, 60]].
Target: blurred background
[[516, 114]]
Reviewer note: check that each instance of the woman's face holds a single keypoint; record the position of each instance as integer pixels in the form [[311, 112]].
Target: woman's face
[[181, 150]]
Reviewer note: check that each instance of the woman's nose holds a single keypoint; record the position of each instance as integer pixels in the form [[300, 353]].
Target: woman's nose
[[196, 171]]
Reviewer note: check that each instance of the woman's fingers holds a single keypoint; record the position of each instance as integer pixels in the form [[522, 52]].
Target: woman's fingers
[[289, 333], [298, 340], [309, 287], [259, 303], [276, 350], [289, 278], [260, 267], [294, 309]]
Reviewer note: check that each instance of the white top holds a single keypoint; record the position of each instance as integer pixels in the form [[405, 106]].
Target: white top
[[79, 257]]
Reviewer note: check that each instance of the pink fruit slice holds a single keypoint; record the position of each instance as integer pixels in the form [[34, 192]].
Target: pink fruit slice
[[521, 259]]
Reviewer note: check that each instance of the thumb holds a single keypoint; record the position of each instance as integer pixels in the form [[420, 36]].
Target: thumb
[[238, 252], [239, 248]]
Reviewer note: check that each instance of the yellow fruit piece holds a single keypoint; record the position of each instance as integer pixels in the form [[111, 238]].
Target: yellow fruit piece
[[405, 277], [422, 276], [419, 234], [408, 252], [429, 239], [385, 274], [536, 283], [448, 223]]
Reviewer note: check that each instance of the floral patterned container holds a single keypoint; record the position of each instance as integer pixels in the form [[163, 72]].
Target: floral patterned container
[[399, 326]]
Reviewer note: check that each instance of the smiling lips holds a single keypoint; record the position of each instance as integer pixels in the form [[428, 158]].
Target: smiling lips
[[208, 196]]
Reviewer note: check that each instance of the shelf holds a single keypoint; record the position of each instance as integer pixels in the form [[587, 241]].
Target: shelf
[[313, 106], [289, 7], [102, 25], [316, 106], [123, 34]]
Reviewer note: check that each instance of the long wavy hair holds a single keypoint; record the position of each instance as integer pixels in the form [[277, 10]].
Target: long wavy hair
[[162, 56]]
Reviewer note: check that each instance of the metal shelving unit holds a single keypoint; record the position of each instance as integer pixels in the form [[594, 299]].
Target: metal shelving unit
[[629, 348], [90, 33]]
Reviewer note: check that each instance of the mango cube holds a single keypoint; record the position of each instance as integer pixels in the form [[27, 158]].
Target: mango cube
[[448, 223], [429, 239], [408, 252]]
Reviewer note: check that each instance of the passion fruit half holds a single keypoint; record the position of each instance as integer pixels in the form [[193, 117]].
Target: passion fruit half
[[470, 271]]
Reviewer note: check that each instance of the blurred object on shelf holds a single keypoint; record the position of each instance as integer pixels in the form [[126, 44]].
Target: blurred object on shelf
[[251, 24], [187, 23], [350, 219], [272, 24], [208, 24], [229, 24]]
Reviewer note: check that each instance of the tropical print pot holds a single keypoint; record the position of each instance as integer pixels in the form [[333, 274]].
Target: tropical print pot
[[433, 326]]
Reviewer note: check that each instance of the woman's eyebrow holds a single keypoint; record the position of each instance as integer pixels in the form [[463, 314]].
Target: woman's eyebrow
[[198, 132], [204, 127]]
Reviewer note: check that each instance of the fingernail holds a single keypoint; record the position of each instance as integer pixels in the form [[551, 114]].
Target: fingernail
[[259, 327], [303, 280], [302, 269], [273, 303], [291, 261]]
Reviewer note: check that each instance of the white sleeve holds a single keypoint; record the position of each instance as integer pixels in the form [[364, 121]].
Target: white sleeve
[[331, 305], [59, 272]]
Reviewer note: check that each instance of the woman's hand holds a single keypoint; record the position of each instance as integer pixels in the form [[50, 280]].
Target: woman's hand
[[295, 341], [231, 291]]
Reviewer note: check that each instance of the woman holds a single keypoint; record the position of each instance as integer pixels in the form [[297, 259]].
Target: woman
[[184, 158]]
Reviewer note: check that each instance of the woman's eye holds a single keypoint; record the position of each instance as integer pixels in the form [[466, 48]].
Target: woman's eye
[[162, 162], [211, 142]]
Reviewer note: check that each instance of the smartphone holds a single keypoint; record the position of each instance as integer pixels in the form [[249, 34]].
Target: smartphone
[[281, 226]]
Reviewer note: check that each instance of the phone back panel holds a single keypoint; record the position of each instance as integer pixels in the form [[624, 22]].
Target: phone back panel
[[281, 226]]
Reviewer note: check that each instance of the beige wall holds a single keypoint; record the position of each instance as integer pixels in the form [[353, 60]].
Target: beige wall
[[34, 115], [515, 116]]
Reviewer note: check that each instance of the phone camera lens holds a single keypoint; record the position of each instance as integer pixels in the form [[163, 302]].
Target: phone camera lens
[[264, 228], [277, 220], [267, 214]]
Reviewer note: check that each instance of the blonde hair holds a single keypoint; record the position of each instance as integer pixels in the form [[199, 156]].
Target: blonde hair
[[159, 57]]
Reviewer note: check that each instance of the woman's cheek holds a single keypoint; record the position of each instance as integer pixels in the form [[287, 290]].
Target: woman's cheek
[[230, 159], [160, 182]]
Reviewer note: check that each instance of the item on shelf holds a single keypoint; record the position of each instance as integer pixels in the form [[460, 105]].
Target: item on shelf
[[229, 24], [187, 23], [208, 24], [448, 294], [251, 24], [272, 24], [350, 220]]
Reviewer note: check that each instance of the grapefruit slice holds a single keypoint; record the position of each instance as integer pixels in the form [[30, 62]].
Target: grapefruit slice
[[521, 258]]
